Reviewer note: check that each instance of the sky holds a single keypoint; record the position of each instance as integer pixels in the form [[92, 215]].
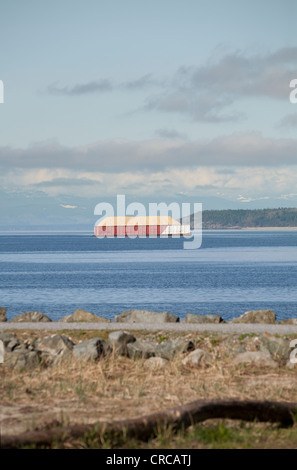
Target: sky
[[165, 100]]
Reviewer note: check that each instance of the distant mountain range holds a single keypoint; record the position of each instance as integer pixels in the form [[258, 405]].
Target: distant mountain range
[[243, 218], [37, 211]]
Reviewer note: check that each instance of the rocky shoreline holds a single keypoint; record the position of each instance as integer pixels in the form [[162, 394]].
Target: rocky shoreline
[[265, 349], [147, 316], [156, 350]]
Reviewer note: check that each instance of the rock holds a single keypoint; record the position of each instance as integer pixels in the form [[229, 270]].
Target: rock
[[154, 363], [256, 316], [229, 344], [192, 318], [262, 358], [197, 358], [145, 316], [141, 349], [7, 337], [118, 341], [67, 318], [22, 359], [166, 349], [28, 343], [169, 349], [291, 365], [30, 317], [253, 343], [3, 314], [2, 351], [14, 343], [82, 316], [288, 321], [91, 350], [54, 348], [234, 351], [279, 348], [17, 354]]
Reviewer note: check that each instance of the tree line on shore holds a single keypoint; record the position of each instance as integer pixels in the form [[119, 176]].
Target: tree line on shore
[[241, 218]]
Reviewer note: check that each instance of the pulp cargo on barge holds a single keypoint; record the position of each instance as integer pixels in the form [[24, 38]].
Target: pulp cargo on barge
[[154, 226]]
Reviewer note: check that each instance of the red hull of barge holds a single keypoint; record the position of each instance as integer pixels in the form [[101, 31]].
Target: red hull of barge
[[128, 231]]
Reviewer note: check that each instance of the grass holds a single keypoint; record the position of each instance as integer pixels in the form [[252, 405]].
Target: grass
[[117, 388], [162, 338], [210, 435], [246, 335]]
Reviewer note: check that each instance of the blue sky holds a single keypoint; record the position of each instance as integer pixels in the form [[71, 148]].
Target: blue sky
[[163, 100]]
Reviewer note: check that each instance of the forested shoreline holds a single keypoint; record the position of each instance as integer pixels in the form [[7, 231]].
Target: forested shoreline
[[243, 218]]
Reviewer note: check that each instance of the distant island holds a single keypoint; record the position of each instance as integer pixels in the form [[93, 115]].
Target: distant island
[[246, 218]]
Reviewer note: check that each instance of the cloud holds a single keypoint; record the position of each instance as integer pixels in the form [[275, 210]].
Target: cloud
[[199, 106], [119, 156], [170, 134], [206, 92], [68, 206], [103, 85], [240, 74], [99, 86], [288, 121], [288, 196], [206, 186], [244, 199], [247, 199], [146, 81], [74, 182], [254, 183]]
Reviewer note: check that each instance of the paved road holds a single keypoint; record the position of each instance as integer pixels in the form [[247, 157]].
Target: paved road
[[238, 328]]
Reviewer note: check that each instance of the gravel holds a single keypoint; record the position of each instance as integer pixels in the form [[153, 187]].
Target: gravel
[[238, 328]]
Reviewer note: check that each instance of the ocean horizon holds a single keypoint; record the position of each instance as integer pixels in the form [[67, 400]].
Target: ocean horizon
[[232, 272]]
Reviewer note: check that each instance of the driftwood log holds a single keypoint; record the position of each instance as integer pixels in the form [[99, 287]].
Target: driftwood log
[[148, 426]]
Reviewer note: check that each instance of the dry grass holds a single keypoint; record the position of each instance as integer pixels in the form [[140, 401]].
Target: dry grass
[[74, 391]]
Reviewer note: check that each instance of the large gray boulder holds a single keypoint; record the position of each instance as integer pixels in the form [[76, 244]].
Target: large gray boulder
[[166, 349], [30, 317], [91, 350], [262, 358], [3, 314], [12, 344], [54, 348], [141, 349], [20, 359], [171, 348], [193, 318], [256, 316], [288, 321], [279, 348], [197, 357], [82, 316], [118, 341], [145, 316], [18, 354], [9, 339]]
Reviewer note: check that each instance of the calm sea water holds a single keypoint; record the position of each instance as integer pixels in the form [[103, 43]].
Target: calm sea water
[[232, 272]]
